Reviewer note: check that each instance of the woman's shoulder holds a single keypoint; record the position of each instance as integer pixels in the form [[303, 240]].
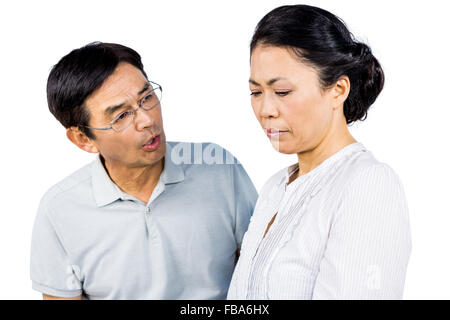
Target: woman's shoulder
[[365, 171]]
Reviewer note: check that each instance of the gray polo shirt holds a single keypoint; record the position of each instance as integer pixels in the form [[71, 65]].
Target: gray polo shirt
[[93, 239]]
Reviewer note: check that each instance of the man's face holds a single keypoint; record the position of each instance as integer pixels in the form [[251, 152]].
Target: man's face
[[130, 147]]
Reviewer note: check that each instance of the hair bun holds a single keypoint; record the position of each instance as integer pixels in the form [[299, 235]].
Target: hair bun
[[371, 76], [361, 51]]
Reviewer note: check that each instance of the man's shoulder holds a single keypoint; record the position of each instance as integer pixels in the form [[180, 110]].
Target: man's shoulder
[[200, 153], [68, 185], [206, 162]]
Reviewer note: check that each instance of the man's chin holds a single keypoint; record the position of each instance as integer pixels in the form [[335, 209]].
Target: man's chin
[[155, 156]]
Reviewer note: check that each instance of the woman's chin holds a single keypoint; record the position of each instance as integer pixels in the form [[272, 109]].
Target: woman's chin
[[282, 147]]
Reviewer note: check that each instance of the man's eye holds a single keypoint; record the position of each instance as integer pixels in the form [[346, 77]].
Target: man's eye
[[282, 93], [255, 93], [122, 116], [147, 99]]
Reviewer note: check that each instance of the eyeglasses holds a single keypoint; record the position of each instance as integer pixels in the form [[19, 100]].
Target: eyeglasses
[[147, 103]]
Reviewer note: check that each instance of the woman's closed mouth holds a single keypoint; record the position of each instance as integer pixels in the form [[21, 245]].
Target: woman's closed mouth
[[274, 133]]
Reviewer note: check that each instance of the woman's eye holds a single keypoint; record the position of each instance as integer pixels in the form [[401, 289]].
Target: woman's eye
[[282, 93]]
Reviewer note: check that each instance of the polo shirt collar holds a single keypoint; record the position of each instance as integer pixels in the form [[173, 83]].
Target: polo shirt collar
[[106, 191], [172, 172]]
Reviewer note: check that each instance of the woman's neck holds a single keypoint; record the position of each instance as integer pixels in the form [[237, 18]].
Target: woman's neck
[[310, 159]]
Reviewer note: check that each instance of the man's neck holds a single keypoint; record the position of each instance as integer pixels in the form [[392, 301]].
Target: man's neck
[[138, 182]]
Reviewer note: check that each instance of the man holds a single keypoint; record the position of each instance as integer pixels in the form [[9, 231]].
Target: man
[[148, 219]]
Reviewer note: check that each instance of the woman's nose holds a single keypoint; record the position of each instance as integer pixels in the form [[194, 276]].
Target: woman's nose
[[268, 107]]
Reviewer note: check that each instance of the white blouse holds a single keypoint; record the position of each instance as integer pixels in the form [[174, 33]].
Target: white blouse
[[341, 232]]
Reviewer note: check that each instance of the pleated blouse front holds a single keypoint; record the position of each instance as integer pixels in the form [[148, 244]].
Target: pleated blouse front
[[341, 231]]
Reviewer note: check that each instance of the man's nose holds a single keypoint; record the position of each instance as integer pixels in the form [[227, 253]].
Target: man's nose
[[143, 119]]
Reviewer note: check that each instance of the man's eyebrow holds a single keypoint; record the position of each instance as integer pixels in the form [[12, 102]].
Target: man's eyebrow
[[146, 86], [269, 83], [111, 109]]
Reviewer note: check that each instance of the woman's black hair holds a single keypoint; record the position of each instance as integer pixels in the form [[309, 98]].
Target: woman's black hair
[[78, 74], [322, 40]]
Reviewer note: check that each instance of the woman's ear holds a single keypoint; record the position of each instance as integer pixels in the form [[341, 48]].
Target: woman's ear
[[78, 138], [341, 89]]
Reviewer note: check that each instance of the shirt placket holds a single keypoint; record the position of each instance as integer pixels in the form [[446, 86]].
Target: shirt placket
[[267, 241], [148, 212]]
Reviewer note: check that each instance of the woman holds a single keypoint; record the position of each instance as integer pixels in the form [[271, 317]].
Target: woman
[[334, 225]]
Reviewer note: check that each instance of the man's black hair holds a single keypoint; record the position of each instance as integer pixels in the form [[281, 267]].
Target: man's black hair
[[77, 75]]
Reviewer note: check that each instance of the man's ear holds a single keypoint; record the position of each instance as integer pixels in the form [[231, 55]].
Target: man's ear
[[79, 139], [341, 89]]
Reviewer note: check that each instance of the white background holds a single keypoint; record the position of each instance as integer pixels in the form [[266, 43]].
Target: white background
[[199, 52]]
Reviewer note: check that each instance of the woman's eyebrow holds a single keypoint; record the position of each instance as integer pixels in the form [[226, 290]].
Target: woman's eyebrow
[[269, 83]]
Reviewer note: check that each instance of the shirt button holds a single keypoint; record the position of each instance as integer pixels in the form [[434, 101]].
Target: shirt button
[[148, 209]]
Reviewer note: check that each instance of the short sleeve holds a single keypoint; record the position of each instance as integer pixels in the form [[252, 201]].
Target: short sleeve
[[50, 269], [245, 196], [369, 242]]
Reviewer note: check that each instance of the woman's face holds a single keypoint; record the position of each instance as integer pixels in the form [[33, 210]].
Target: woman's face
[[287, 100]]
